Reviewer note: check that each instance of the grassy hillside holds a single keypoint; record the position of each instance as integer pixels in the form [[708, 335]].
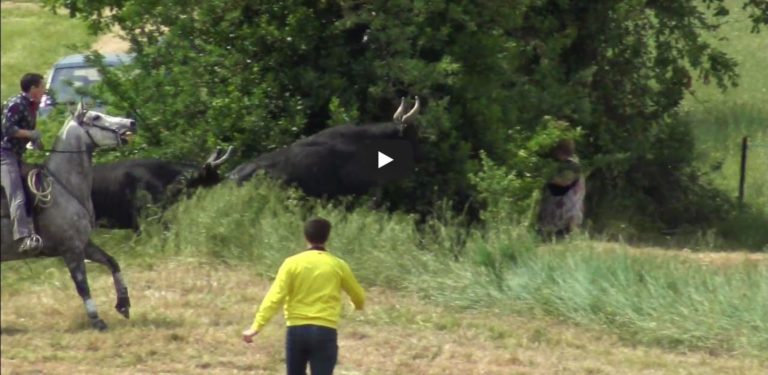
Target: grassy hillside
[[720, 120], [32, 40]]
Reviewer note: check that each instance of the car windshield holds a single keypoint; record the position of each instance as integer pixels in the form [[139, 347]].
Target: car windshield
[[66, 81]]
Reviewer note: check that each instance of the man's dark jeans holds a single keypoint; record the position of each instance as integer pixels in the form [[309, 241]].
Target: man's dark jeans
[[310, 343]]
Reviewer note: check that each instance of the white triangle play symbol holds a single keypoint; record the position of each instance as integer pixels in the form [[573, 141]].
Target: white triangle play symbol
[[384, 159]]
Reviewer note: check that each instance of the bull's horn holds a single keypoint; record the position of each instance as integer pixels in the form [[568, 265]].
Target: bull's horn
[[399, 113], [222, 159], [413, 111], [213, 156]]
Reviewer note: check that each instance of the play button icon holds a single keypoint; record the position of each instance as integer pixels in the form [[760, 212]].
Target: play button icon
[[384, 159], [394, 160]]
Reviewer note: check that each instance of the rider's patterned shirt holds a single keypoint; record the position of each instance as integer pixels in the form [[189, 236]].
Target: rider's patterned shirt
[[19, 112]]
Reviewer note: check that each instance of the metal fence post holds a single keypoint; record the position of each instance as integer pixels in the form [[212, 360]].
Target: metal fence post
[[743, 172]]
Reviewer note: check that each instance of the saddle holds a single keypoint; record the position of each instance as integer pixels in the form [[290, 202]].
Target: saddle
[[29, 196]]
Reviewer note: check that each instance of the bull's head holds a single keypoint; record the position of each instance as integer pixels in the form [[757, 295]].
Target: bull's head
[[407, 129], [211, 167], [206, 176]]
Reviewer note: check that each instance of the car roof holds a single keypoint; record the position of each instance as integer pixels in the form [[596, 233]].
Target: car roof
[[78, 60]]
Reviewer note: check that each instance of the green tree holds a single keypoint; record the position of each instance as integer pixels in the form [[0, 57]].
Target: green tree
[[258, 74]]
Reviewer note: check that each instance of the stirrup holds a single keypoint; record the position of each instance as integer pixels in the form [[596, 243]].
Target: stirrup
[[31, 243]]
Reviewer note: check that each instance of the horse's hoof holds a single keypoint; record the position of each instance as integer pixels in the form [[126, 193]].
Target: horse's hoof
[[99, 325], [123, 307], [124, 311]]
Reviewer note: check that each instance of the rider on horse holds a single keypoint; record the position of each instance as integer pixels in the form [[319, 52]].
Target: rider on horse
[[18, 129]]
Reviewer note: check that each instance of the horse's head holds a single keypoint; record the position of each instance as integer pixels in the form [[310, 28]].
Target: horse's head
[[103, 130]]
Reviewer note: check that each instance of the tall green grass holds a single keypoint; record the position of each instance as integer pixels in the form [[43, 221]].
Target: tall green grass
[[721, 119], [662, 301], [32, 39], [648, 299]]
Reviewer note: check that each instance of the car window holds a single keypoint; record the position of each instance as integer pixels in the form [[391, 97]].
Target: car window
[[65, 81]]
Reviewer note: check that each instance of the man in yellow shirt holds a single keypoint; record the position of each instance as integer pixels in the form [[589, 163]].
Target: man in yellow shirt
[[309, 286]]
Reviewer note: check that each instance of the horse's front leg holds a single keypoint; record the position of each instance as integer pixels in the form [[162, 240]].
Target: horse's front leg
[[75, 261], [94, 253]]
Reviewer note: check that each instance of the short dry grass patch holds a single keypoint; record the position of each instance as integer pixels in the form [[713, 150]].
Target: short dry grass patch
[[187, 317]]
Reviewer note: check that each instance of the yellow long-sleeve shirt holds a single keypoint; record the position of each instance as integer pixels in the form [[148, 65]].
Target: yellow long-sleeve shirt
[[309, 284]]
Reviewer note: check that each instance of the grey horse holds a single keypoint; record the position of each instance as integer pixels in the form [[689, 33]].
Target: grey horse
[[66, 221]]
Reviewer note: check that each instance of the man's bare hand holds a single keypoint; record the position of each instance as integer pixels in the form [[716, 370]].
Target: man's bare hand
[[248, 335]]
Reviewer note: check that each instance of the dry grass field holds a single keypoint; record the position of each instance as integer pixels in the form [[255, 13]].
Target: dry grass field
[[187, 316]]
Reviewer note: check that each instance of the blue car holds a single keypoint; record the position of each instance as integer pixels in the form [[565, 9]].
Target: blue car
[[73, 72]]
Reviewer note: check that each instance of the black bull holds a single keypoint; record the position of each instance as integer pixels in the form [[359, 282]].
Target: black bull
[[324, 164], [117, 186]]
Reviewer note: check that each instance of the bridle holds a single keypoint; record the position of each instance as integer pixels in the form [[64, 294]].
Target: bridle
[[78, 121], [102, 127]]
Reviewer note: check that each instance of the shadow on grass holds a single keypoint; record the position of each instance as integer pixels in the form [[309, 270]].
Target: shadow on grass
[[141, 320], [13, 331]]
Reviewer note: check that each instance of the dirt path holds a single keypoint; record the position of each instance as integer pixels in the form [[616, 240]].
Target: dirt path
[[17, 5], [111, 43], [712, 258]]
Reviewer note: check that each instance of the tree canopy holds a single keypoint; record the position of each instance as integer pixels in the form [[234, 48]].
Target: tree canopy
[[500, 82]]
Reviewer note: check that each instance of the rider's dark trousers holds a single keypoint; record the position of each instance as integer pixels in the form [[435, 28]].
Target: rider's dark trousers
[[10, 176]]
